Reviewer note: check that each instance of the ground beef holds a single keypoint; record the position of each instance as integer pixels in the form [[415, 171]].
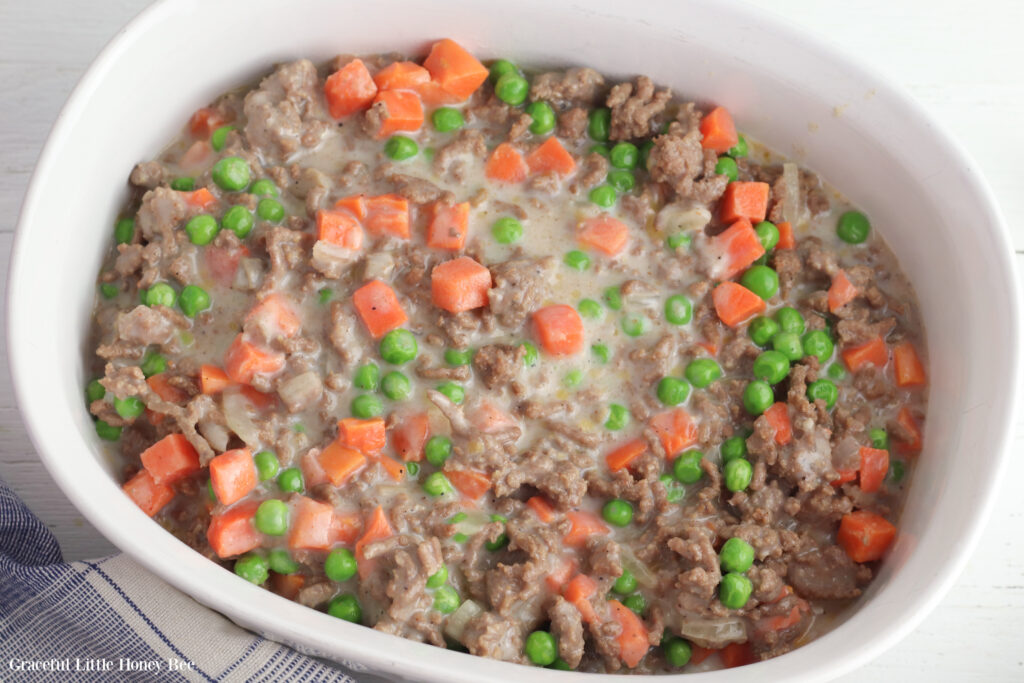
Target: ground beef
[[677, 158], [520, 286], [282, 114], [827, 574], [636, 108], [547, 468], [148, 175], [498, 364], [567, 628], [576, 86], [572, 124], [490, 635]]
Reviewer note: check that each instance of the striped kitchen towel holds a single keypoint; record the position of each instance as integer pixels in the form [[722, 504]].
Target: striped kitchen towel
[[112, 620]]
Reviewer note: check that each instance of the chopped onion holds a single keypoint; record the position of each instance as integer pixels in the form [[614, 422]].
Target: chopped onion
[[300, 391], [846, 454], [238, 419], [713, 633], [216, 434], [249, 275], [644, 576], [792, 207], [456, 626], [679, 217], [379, 265]]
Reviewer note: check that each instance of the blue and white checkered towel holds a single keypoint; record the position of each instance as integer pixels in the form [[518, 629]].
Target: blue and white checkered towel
[[110, 619]]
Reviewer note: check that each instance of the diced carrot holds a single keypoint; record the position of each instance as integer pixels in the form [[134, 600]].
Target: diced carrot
[[699, 654], [233, 475], [579, 591], [377, 528], [551, 157], [312, 525], [244, 360], [349, 89], [841, 292], [378, 307], [162, 388], [275, 316], [260, 400], [559, 329], [459, 285], [395, 469], [345, 527], [312, 473], [490, 419], [454, 69], [470, 483], [583, 526], [367, 435], [779, 622], [744, 200], [736, 304], [434, 95], [388, 214], [355, 204], [845, 476], [222, 262], [737, 654], [199, 199], [786, 238], [170, 459], [448, 226], [778, 415], [212, 380], [195, 156], [506, 165], [633, 639], [402, 76], [676, 430], [204, 121], [873, 352], [733, 250], [906, 420], [340, 463], [540, 505], [865, 536], [625, 454], [287, 585], [604, 233], [718, 131], [874, 465], [232, 532], [402, 112], [150, 496], [907, 365], [559, 578], [410, 436], [712, 349], [339, 227]]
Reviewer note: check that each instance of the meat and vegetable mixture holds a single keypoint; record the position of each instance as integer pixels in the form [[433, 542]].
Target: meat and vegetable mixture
[[541, 366]]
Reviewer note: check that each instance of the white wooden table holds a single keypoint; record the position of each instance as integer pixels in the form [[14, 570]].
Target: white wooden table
[[963, 61]]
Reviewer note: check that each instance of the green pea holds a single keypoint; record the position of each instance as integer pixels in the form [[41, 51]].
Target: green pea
[[453, 391], [678, 241], [645, 153], [573, 378], [231, 174], [589, 308], [836, 372], [673, 491], [531, 356], [897, 470], [789, 345], [761, 280], [686, 467], [438, 578], [738, 474], [757, 397], [400, 148], [201, 229], [677, 652], [94, 391], [672, 391], [152, 364], [617, 512], [732, 448], [324, 295], [437, 450], [771, 366], [271, 517], [635, 324], [543, 117], [603, 196], [500, 67], [853, 227], [291, 481], [366, 406], [768, 234], [270, 210], [219, 137], [618, 417], [625, 584], [412, 468], [624, 155], [340, 565], [507, 230], [238, 220], [736, 555], [437, 484], [600, 148], [511, 88], [367, 377], [621, 180], [599, 124], [193, 300], [790, 320], [540, 648], [253, 568], [762, 329], [637, 603], [678, 309], [107, 432], [740, 149], [280, 561], [577, 260], [879, 438], [735, 590], [613, 298], [458, 357], [447, 119], [817, 343], [210, 495], [267, 465], [727, 166], [124, 230], [501, 541], [825, 390], [264, 187], [346, 607], [396, 386], [398, 347], [601, 352], [129, 408], [183, 184], [109, 290], [701, 372]]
